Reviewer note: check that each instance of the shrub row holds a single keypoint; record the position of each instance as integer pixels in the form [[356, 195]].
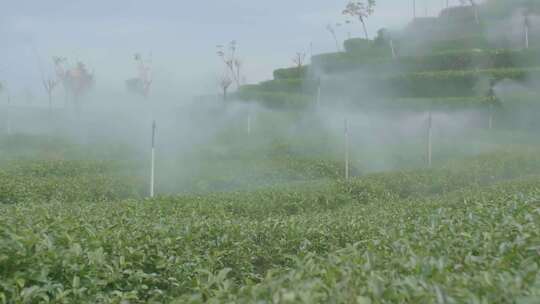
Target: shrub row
[[449, 83], [442, 86], [347, 244], [276, 100], [291, 73], [293, 85], [447, 60], [85, 181], [478, 171], [470, 59]]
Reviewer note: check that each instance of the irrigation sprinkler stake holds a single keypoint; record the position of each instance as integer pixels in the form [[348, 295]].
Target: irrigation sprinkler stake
[[319, 93], [526, 35], [490, 122], [429, 139], [153, 160], [8, 112], [394, 55], [346, 150], [249, 124]]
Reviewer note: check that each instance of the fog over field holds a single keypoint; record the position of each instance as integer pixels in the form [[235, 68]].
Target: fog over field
[[371, 151]]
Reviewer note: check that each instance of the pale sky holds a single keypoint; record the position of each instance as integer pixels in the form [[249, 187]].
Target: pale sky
[[181, 35]]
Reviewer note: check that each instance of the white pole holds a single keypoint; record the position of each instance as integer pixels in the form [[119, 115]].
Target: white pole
[[8, 114], [249, 124], [153, 160], [526, 35], [346, 150], [319, 93], [393, 49], [476, 16], [490, 123], [429, 139]]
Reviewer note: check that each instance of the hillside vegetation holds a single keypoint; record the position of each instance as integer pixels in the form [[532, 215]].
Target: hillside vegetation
[[449, 56]]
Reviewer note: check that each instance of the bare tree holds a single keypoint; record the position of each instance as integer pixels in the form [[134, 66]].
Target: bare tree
[[361, 10], [49, 82], [142, 83], [49, 85], [330, 28], [76, 80], [224, 84], [233, 65], [299, 59]]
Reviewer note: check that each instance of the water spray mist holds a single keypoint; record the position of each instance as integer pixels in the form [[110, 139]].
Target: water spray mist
[[153, 160]]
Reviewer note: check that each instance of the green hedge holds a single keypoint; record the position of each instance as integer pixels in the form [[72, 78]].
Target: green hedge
[[440, 84], [67, 181], [498, 9], [465, 53], [368, 48], [288, 85], [459, 44], [291, 73], [457, 14], [449, 60], [343, 62], [276, 100], [471, 59], [511, 102], [448, 83], [449, 103]]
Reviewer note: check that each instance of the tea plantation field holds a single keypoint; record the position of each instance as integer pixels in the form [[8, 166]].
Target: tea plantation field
[[465, 232]]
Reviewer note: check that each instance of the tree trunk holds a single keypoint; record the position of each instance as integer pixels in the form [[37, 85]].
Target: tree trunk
[[365, 28], [224, 94], [337, 42], [50, 102], [476, 17]]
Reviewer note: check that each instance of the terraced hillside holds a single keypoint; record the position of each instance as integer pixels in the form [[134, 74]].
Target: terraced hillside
[[450, 60]]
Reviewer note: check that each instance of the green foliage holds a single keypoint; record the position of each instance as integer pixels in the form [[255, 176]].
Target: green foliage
[[478, 171], [497, 9], [471, 59], [470, 42], [291, 73], [460, 233], [287, 85], [458, 14], [349, 61], [368, 48], [65, 181], [447, 104], [277, 100], [451, 83], [437, 61], [280, 93]]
